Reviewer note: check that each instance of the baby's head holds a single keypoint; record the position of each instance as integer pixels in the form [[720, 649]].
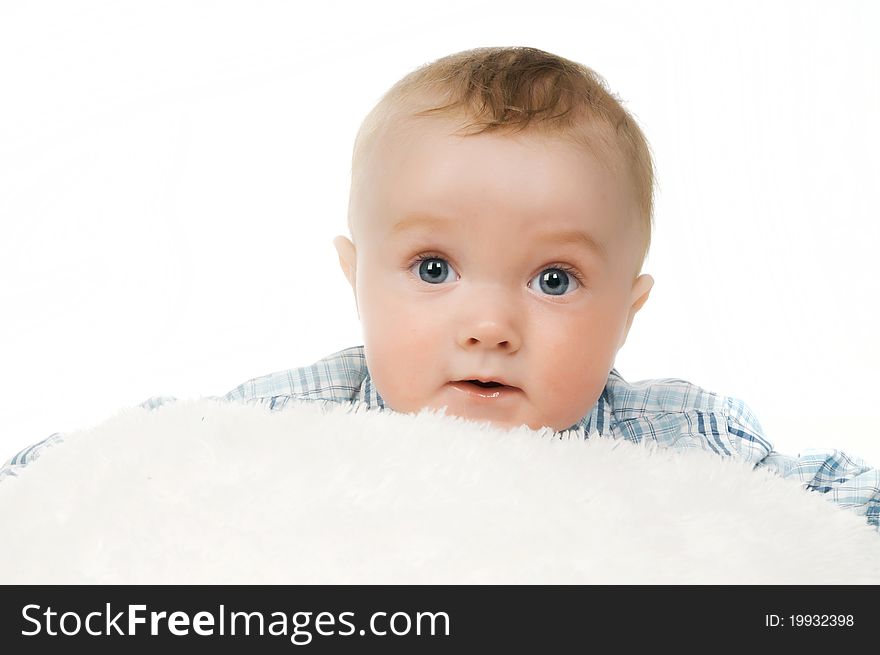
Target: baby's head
[[500, 213]]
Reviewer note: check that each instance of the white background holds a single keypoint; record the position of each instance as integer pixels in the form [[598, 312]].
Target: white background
[[172, 175]]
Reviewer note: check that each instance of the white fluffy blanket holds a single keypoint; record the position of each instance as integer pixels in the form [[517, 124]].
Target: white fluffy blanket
[[207, 492]]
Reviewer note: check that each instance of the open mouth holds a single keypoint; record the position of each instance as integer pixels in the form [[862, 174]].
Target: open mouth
[[481, 392], [492, 384]]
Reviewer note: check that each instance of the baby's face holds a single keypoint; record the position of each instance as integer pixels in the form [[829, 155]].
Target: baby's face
[[499, 258]]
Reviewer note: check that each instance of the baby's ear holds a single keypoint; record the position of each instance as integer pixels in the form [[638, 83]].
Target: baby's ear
[[347, 259], [641, 289]]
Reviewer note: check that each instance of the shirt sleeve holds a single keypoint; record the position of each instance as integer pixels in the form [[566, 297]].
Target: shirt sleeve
[[845, 480], [745, 431], [24, 457]]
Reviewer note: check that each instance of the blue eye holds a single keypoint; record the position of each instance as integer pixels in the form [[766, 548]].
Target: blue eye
[[433, 270], [555, 281]]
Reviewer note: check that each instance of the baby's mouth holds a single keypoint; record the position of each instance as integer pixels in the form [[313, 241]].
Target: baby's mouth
[[484, 384], [477, 385], [475, 391]]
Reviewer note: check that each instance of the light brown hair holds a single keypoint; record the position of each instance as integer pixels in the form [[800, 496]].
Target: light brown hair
[[510, 89]]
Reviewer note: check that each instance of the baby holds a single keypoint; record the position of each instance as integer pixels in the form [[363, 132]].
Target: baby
[[498, 238], [500, 214]]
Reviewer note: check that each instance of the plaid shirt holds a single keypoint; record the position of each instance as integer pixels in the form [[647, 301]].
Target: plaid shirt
[[669, 411]]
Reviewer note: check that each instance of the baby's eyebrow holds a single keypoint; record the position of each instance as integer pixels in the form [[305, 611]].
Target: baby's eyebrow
[[414, 221], [578, 238], [565, 237]]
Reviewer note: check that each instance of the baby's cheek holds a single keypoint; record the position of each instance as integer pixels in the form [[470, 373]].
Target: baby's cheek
[[566, 393], [401, 362], [575, 371]]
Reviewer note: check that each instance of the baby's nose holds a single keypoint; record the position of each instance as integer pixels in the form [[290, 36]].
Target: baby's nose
[[490, 334]]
